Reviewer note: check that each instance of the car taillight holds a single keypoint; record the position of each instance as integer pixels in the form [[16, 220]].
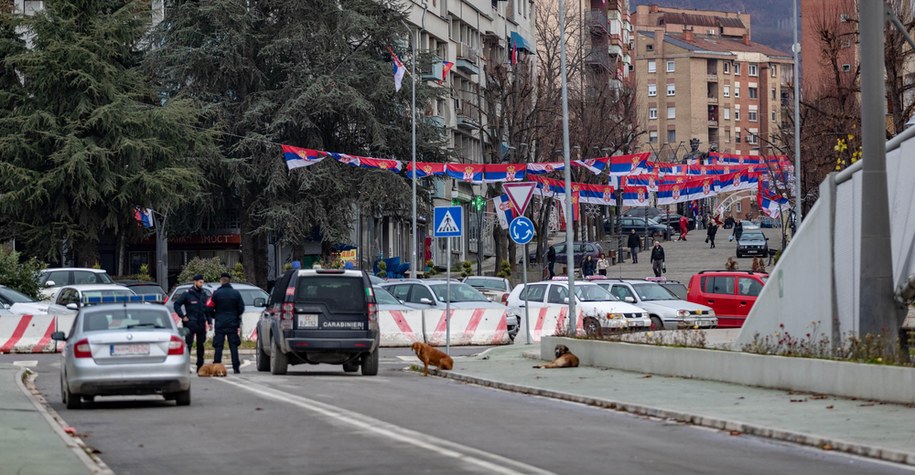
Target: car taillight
[[176, 346], [504, 299], [287, 311], [373, 314], [81, 349]]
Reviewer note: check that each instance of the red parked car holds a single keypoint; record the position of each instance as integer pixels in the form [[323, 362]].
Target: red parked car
[[730, 293]]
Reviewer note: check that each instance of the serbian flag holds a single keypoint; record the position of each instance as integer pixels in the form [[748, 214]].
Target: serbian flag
[[670, 169], [399, 70], [504, 172], [144, 216], [465, 171], [729, 182], [629, 164], [597, 194], [384, 164], [446, 68], [671, 194], [424, 169], [649, 180], [504, 210], [707, 188], [596, 165], [345, 158], [301, 157], [544, 168], [770, 203], [550, 186], [635, 196]]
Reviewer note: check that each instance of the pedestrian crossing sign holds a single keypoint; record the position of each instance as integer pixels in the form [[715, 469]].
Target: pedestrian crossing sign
[[448, 221]]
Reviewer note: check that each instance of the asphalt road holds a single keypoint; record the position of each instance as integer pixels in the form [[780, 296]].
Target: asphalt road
[[322, 420]]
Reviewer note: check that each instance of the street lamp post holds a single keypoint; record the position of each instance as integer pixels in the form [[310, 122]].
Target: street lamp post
[[570, 217]]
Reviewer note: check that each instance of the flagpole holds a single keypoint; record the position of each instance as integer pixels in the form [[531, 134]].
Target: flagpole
[[413, 47], [570, 217]]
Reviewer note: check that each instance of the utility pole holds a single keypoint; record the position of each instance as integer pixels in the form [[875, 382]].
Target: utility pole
[[796, 49], [570, 217]]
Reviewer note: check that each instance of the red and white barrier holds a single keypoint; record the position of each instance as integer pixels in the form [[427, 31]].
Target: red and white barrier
[[400, 328], [481, 326], [249, 325], [29, 333], [549, 321]]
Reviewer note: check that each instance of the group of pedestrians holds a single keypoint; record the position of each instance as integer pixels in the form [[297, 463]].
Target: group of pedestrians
[[222, 310]]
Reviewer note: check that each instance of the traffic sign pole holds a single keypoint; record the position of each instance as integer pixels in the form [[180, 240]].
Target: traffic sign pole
[[448, 302], [448, 222], [521, 230], [527, 313]]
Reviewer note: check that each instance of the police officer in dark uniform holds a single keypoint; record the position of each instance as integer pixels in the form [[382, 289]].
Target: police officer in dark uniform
[[228, 307], [194, 314]]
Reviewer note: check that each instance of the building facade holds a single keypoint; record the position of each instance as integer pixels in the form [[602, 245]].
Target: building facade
[[699, 75], [828, 26], [607, 41]]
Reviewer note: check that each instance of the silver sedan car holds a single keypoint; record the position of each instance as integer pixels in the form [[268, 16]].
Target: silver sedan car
[[124, 349]]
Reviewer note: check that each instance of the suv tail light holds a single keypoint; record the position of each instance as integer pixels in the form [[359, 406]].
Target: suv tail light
[[81, 349], [373, 315], [176, 346], [504, 299], [287, 314]]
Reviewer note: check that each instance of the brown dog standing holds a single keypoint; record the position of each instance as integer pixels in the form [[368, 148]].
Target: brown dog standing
[[564, 359], [432, 356]]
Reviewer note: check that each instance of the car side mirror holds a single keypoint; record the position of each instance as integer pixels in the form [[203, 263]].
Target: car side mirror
[[630, 299], [49, 283], [73, 306], [260, 302], [426, 301], [184, 331], [58, 336]]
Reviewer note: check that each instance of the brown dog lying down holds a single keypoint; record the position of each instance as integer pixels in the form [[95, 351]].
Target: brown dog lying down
[[212, 369], [564, 359], [432, 356]]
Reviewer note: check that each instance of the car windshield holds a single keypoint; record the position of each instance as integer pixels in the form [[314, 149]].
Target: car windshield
[[752, 237], [384, 297], [593, 293], [248, 295], [649, 291], [484, 283], [10, 296], [460, 292], [126, 319]]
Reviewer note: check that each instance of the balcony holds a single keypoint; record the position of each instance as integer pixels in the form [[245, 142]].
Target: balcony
[[712, 78], [468, 59], [466, 118], [436, 120], [597, 22], [712, 100], [598, 57]]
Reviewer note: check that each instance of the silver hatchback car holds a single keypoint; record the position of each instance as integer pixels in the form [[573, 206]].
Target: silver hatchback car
[[123, 349]]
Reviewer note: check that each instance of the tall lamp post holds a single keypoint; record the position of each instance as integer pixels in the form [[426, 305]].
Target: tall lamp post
[[796, 49], [570, 217]]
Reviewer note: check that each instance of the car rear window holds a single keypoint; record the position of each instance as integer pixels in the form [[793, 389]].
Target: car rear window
[[121, 319], [147, 289], [345, 294], [248, 295]]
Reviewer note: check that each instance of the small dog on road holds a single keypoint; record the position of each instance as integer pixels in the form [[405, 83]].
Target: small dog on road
[[432, 356], [212, 369], [564, 359]]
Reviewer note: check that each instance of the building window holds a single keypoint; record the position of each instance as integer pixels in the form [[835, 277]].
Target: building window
[[737, 69], [773, 116], [652, 90], [727, 89], [773, 70], [671, 136], [753, 70], [736, 89], [652, 67], [737, 137], [671, 89], [773, 93], [652, 113], [736, 114], [727, 67], [752, 138], [727, 113], [754, 93], [653, 136], [671, 112], [649, 47], [753, 116], [846, 68], [671, 66]]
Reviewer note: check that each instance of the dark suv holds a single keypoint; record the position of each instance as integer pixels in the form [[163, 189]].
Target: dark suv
[[320, 316]]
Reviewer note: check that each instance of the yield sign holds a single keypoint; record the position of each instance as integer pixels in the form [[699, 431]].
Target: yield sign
[[519, 194]]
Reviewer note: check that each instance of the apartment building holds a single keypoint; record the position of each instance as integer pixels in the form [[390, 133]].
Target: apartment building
[[699, 75], [836, 21], [607, 39]]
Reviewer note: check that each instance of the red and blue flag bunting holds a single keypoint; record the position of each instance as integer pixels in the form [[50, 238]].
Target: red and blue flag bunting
[[504, 210], [505, 172], [544, 168], [144, 216], [426, 169], [469, 172], [297, 157], [596, 165], [635, 196], [597, 194]]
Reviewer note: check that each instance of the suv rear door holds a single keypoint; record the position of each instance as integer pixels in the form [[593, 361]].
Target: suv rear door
[[333, 303]]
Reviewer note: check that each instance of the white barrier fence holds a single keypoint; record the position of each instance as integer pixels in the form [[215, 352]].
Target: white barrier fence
[[32, 333], [548, 321]]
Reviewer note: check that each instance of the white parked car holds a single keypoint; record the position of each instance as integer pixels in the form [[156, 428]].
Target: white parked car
[[70, 299], [430, 294], [51, 280], [600, 309], [16, 303], [496, 288], [666, 310]]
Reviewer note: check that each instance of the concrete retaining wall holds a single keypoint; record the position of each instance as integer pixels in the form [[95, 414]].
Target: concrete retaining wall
[[853, 380]]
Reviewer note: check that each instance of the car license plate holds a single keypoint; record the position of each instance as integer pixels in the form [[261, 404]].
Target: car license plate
[[130, 349], [308, 320]]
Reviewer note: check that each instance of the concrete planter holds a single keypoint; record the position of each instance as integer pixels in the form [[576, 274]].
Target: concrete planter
[[852, 380]]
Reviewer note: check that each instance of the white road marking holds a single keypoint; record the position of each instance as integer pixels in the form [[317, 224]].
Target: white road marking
[[26, 363], [490, 462]]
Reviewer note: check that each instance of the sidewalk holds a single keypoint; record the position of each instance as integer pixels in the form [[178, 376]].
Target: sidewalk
[[31, 445], [877, 430]]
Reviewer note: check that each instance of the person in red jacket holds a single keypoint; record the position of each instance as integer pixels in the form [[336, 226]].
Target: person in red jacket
[[684, 228]]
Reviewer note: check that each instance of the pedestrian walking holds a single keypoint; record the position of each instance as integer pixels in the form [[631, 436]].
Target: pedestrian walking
[[657, 259], [634, 243], [711, 231], [738, 229], [587, 266], [602, 265], [191, 308], [684, 228], [551, 261], [228, 307]]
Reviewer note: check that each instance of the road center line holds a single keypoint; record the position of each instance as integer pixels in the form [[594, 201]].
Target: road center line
[[490, 462]]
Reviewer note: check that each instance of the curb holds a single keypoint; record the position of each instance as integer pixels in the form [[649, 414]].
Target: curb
[[25, 381], [825, 443]]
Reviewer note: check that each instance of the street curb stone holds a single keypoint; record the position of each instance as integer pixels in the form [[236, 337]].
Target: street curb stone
[[737, 427]]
